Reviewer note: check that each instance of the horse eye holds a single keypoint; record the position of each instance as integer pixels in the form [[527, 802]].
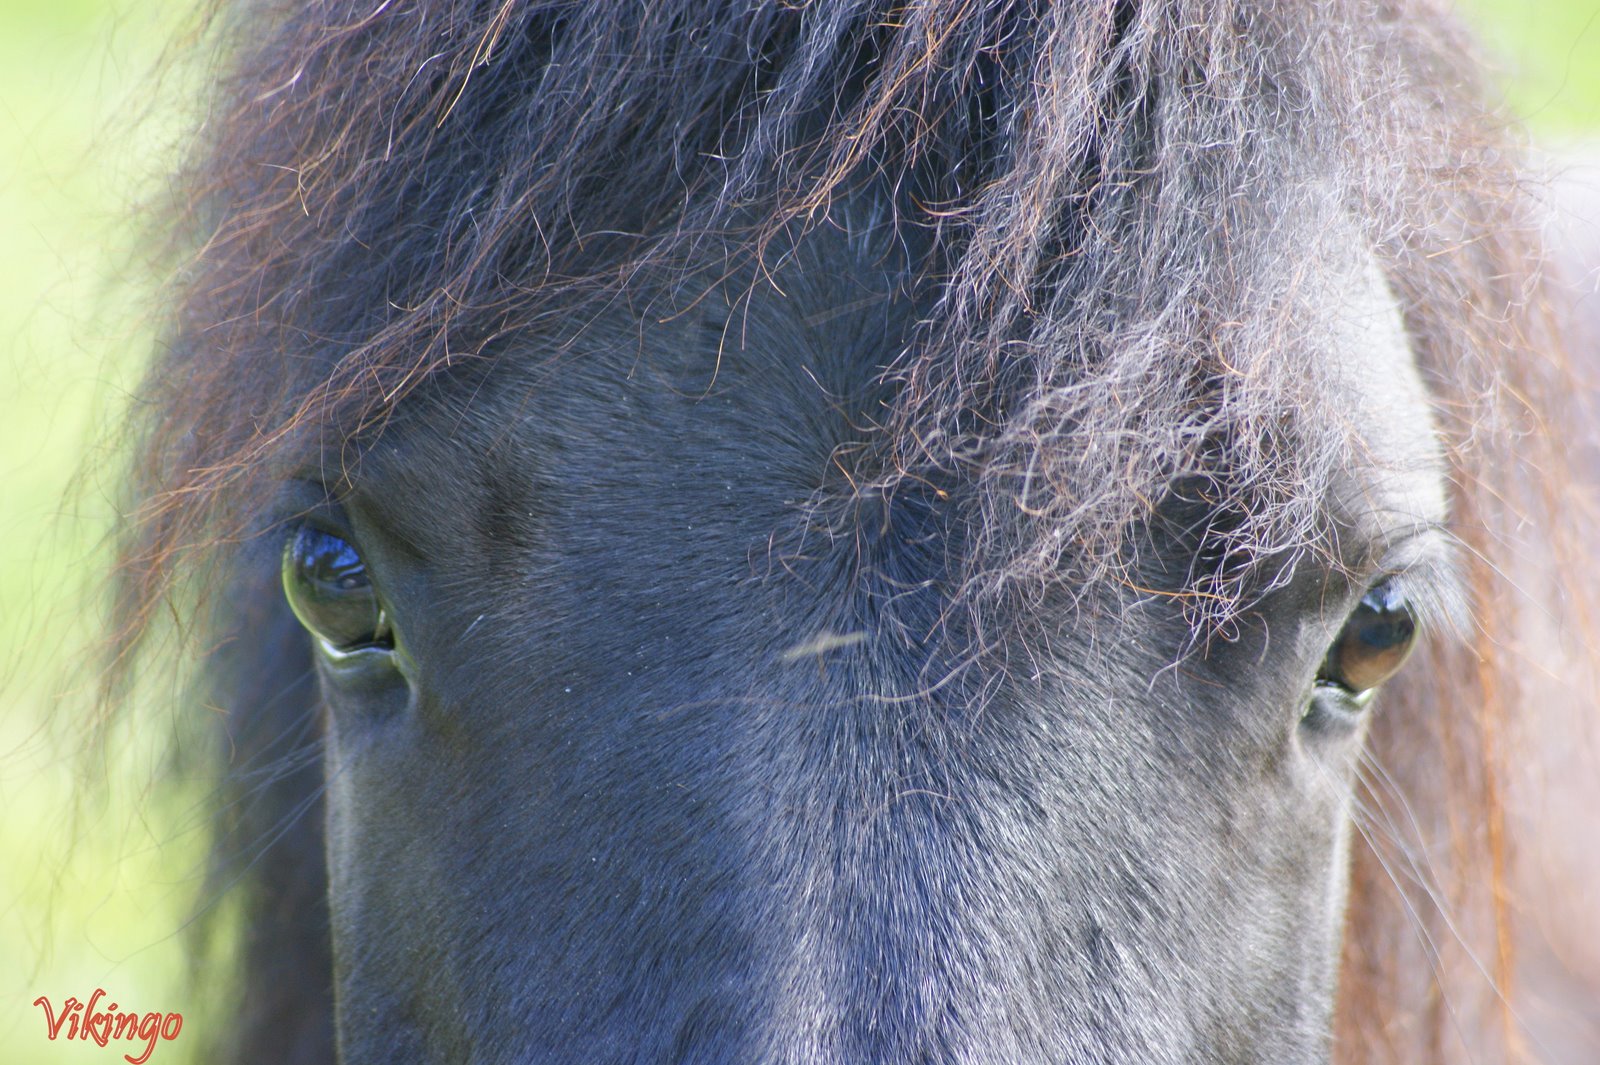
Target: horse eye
[[1374, 643], [329, 591]]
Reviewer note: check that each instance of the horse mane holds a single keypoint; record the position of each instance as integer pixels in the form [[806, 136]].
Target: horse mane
[[381, 192]]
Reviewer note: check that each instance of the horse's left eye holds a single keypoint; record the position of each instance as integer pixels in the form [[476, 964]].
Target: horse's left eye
[[328, 589], [1375, 641]]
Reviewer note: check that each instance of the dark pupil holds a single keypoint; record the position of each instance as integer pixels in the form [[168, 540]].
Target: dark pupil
[[1385, 631], [1375, 641], [329, 591]]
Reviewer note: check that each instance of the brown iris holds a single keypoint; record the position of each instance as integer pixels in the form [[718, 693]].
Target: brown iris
[[1375, 641]]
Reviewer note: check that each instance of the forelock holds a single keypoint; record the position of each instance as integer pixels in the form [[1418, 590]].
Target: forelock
[[1125, 206]]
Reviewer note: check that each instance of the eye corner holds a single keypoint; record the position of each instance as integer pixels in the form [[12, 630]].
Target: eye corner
[[1332, 709]]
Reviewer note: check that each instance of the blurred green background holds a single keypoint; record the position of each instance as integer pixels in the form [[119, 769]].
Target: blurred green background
[[95, 892]]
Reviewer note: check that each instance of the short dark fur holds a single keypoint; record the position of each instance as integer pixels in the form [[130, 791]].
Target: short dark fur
[[1091, 391]]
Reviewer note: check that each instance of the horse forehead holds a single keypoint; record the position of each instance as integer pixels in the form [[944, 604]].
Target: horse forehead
[[1394, 482], [789, 357], [775, 381]]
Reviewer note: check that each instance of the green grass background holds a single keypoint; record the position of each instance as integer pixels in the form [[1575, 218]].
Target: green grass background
[[94, 892]]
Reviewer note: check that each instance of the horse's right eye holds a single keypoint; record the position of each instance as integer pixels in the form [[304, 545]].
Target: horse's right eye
[[328, 589], [1376, 640]]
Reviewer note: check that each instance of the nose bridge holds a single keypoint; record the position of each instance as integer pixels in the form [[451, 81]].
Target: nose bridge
[[854, 839], [872, 886], [927, 894]]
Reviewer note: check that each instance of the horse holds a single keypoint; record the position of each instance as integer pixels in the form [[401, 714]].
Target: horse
[[855, 531]]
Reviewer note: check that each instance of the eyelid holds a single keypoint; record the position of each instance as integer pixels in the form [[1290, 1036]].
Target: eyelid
[[1424, 564], [307, 501]]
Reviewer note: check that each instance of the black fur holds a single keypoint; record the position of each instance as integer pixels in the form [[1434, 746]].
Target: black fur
[[863, 493]]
